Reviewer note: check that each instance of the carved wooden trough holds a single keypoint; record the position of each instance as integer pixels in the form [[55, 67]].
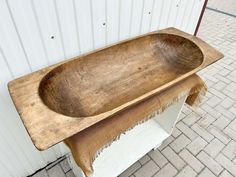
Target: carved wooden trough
[[61, 100]]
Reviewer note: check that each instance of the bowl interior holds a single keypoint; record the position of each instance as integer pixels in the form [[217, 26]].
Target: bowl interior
[[106, 79]]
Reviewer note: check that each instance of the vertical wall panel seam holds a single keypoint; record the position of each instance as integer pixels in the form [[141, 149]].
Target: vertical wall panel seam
[[6, 62], [152, 11], [12, 150], [193, 15], [40, 31], [15, 139], [25, 54], [141, 21], [12, 76], [26, 57], [162, 4], [76, 26], [168, 18], [189, 18], [119, 19], [177, 12], [106, 22], [59, 28], [92, 23], [5, 167], [186, 5], [131, 15], [18, 35]]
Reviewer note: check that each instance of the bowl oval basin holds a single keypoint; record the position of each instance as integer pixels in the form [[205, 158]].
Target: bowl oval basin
[[107, 79], [61, 100]]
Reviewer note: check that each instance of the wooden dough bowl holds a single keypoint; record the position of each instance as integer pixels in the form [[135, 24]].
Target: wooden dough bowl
[[61, 100]]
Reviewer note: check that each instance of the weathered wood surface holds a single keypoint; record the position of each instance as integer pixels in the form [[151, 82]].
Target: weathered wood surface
[[61, 100]]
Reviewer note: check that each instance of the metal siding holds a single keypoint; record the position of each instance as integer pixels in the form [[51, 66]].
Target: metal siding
[[35, 34]]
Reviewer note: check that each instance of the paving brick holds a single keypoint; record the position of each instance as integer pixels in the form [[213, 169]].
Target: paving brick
[[214, 147], [197, 145], [131, 170], [233, 110], [187, 172], [213, 101], [217, 93], [148, 170], [225, 174], [208, 82], [158, 158], [230, 150], [231, 87], [212, 71], [229, 94], [213, 79], [191, 118], [144, 159], [221, 122], [232, 76], [227, 103], [179, 143], [176, 132], [181, 116], [224, 112], [206, 120], [234, 161], [223, 79], [226, 163], [230, 133], [199, 111], [233, 73], [173, 158], [186, 130], [219, 134], [220, 85], [191, 160], [70, 174], [206, 173], [210, 163], [166, 142], [224, 72], [232, 125], [186, 110], [202, 132], [166, 171], [56, 171], [65, 165], [227, 66], [211, 111]]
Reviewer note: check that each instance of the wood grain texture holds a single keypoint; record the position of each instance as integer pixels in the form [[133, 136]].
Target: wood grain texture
[[61, 100], [105, 80]]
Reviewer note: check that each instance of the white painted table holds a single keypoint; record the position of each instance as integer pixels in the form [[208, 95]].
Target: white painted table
[[134, 144]]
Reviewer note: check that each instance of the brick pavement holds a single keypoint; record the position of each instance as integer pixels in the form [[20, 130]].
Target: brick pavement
[[204, 141]]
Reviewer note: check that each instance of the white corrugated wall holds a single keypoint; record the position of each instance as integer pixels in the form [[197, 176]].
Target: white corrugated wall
[[37, 33]]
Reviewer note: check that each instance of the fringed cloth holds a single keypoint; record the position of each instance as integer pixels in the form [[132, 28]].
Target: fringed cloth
[[89, 143]]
